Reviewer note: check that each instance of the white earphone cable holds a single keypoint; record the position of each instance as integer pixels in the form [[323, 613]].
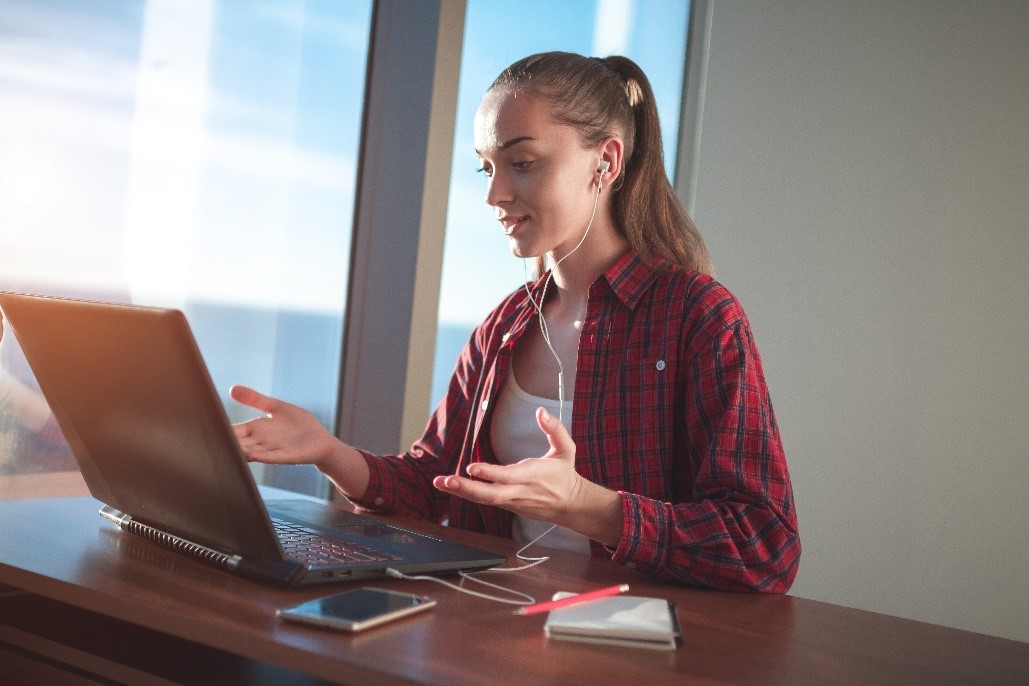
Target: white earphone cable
[[522, 598], [543, 294]]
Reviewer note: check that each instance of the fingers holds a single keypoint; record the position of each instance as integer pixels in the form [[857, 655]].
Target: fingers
[[476, 491], [251, 398], [526, 471], [257, 453], [560, 441], [534, 487], [562, 447], [247, 437], [262, 446], [242, 430]]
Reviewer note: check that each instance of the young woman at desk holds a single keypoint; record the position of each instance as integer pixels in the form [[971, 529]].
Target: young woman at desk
[[620, 395]]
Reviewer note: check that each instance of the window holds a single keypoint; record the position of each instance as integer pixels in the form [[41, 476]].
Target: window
[[478, 270], [198, 155], [202, 155]]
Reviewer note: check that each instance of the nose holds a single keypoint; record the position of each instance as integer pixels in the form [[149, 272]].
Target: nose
[[498, 189]]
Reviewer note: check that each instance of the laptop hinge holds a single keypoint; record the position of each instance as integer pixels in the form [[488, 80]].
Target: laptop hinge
[[269, 570], [167, 540]]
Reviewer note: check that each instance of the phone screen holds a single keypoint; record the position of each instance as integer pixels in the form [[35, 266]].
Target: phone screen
[[358, 609]]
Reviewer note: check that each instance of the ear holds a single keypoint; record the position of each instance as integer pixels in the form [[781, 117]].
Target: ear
[[610, 154]]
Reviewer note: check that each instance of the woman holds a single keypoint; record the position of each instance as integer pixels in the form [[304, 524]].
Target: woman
[[620, 396]]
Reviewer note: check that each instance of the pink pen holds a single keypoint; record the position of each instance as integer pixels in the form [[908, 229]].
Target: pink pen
[[572, 600]]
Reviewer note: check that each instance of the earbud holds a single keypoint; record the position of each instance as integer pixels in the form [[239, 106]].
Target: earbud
[[602, 169]]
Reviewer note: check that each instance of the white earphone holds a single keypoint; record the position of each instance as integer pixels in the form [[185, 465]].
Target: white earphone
[[604, 166]]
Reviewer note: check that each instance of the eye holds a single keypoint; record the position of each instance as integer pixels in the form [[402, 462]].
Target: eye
[[485, 169], [522, 165]]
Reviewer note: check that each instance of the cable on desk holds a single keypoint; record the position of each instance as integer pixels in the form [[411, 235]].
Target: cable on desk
[[525, 598]]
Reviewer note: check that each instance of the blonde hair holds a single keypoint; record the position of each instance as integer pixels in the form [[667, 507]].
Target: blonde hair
[[601, 97]]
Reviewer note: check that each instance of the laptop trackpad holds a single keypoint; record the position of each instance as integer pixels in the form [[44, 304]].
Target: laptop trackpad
[[380, 531]]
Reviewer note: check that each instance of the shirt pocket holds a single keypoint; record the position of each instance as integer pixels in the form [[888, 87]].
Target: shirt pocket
[[643, 403]]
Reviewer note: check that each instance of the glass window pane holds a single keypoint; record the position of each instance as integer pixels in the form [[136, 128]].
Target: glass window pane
[[198, 155], [478, 269]]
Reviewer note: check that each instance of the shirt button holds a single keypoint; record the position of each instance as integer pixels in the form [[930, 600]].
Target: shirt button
[[485, 404], [630, 565], [379, 501], [660, 365]]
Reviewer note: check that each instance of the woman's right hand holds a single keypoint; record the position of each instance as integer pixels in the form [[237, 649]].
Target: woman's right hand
[[288, 434]]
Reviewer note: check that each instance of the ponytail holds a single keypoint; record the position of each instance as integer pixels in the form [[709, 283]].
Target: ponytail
[[645, 204]]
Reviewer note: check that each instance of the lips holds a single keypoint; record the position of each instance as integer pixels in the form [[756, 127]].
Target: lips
[[511, 223]]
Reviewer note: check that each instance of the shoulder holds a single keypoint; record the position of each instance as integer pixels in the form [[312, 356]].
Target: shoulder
[[704, 304], [662, 292], [707, 315]]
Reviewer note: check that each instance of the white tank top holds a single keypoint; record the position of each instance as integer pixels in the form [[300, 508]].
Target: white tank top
[[516, 436]]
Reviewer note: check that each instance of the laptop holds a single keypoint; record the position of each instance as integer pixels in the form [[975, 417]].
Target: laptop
[[129, 388]]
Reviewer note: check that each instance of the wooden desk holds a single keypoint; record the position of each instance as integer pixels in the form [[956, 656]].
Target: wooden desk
[[114, 607], [46, 485]]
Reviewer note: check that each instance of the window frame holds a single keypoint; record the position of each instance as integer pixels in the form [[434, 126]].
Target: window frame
[[403, 185]]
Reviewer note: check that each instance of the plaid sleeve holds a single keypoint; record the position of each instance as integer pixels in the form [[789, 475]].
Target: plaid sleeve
[[402, 484], [738, 531]]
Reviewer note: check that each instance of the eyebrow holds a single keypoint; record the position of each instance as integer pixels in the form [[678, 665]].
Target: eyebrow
[[514, 141]]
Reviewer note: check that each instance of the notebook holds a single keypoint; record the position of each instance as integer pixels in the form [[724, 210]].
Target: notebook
[[132, 395], [633, 621]]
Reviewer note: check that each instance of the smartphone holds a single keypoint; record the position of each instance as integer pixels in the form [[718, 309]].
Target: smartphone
[[359, 609]]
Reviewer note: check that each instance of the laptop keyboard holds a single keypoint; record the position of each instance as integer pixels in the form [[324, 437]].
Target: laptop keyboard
[[308, 546]]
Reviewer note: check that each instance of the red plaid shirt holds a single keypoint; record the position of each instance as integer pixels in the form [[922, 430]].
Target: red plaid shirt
[[670, 410]]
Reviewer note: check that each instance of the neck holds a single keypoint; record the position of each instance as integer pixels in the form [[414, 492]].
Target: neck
[[574, 276]]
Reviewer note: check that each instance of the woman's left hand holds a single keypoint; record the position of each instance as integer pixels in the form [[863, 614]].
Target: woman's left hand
[[546, 488]]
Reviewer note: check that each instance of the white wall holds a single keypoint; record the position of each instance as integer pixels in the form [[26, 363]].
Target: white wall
[[863, 183]]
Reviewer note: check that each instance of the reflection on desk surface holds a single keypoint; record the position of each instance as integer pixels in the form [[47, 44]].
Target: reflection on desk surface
[[43, 485]]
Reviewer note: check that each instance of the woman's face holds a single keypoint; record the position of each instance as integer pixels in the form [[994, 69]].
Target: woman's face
[[541, 182]]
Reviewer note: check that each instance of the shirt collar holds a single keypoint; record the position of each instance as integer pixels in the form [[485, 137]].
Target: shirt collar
[[630, 277]]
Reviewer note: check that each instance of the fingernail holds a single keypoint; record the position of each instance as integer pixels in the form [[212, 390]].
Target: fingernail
[[546, 415]]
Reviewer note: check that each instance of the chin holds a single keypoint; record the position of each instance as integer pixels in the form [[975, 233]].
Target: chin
[[519, 249]]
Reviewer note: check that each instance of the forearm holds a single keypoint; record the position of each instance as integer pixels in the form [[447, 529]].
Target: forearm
[[402, 484], [595, 512], [346, 468], [725, 544]]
